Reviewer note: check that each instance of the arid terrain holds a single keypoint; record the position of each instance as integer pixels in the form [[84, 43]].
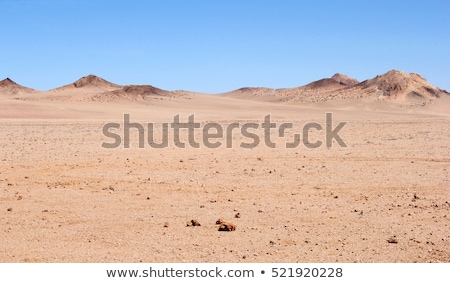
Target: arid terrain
[[385, 197]]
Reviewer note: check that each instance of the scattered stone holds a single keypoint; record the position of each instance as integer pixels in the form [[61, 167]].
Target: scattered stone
[[193, 222], [19, 198], [237, 215], [227, 226], [202, 206], [166, 224], [9, 209], [392, 240], [45, 210], [220, 221]]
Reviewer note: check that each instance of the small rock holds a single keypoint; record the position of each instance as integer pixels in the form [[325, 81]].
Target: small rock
[[9, 209], [392, 240], [227, 226], [166, 224], [193, 222], [237, 215], [220, 221]]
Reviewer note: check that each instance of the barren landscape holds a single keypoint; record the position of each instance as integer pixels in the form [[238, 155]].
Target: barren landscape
[[385, 197]]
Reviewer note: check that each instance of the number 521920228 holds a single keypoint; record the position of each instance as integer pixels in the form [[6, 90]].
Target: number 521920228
[[307, 272]]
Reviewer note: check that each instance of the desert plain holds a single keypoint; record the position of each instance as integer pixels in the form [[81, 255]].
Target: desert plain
[[384, 197]]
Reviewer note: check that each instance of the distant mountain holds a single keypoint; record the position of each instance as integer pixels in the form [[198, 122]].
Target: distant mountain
[[395, 86], [344, 80], [8, 86], [89, 82], [304, 93], [142, 90], [134, 93], [399, 85], [261, 93]]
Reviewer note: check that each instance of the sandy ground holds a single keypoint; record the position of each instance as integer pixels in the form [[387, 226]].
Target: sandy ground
[[63, 198]]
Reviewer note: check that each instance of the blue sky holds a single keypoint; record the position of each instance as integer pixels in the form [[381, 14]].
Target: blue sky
[[217, 46]]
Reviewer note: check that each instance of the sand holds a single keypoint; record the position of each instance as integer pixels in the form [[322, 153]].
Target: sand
[[63, 198]]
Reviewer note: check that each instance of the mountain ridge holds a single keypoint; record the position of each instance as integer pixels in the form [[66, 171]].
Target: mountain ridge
[[394, 85]]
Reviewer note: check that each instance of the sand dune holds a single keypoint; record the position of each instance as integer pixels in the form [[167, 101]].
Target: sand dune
[[254, 93]]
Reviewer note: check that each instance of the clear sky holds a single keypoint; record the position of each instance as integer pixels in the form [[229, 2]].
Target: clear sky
[[217, 46]]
